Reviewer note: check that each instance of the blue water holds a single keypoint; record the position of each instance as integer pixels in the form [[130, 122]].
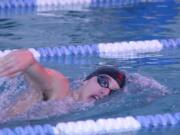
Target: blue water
[[88, 26]]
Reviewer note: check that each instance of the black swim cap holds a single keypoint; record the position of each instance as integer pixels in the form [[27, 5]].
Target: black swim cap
[[117, 75]]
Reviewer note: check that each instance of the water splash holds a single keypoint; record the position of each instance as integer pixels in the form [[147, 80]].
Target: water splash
[[46, 109], [140, 91], [19, 101], [144, 82]]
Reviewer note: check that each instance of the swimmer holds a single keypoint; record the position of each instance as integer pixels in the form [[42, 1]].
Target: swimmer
[[54, 85], [49, 85]]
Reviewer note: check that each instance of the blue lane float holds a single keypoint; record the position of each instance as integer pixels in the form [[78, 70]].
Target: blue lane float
[[110, 50], [99, 126]]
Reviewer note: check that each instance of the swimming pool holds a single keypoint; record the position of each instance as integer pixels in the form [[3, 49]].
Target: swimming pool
[[143, 21]]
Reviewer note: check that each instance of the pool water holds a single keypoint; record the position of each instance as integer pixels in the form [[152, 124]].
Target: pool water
[[88, 26]]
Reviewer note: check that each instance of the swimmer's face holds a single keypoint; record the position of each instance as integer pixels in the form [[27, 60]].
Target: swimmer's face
[[98, 87]]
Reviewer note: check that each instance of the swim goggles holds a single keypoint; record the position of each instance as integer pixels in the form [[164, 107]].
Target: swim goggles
[[103, 81]]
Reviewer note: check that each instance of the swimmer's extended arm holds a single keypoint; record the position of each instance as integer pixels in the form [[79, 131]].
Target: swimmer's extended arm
[[52, 84]]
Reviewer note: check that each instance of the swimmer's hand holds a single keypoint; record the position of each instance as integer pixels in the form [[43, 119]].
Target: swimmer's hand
[[15, 63]]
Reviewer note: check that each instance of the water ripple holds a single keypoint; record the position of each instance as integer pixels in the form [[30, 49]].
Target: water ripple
[[8, 23]]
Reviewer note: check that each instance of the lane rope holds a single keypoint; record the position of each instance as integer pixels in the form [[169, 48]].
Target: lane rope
[[109, 50], [10, 4], [88, 127]]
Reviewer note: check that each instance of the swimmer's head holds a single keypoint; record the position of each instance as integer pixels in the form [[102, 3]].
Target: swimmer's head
[[102, 82], [114, 73]]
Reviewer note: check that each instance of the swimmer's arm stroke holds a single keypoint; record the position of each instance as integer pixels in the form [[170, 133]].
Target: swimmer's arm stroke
[[51, 83]]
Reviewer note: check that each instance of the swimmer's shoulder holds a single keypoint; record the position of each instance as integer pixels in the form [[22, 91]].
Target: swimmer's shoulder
[[60, 84]]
